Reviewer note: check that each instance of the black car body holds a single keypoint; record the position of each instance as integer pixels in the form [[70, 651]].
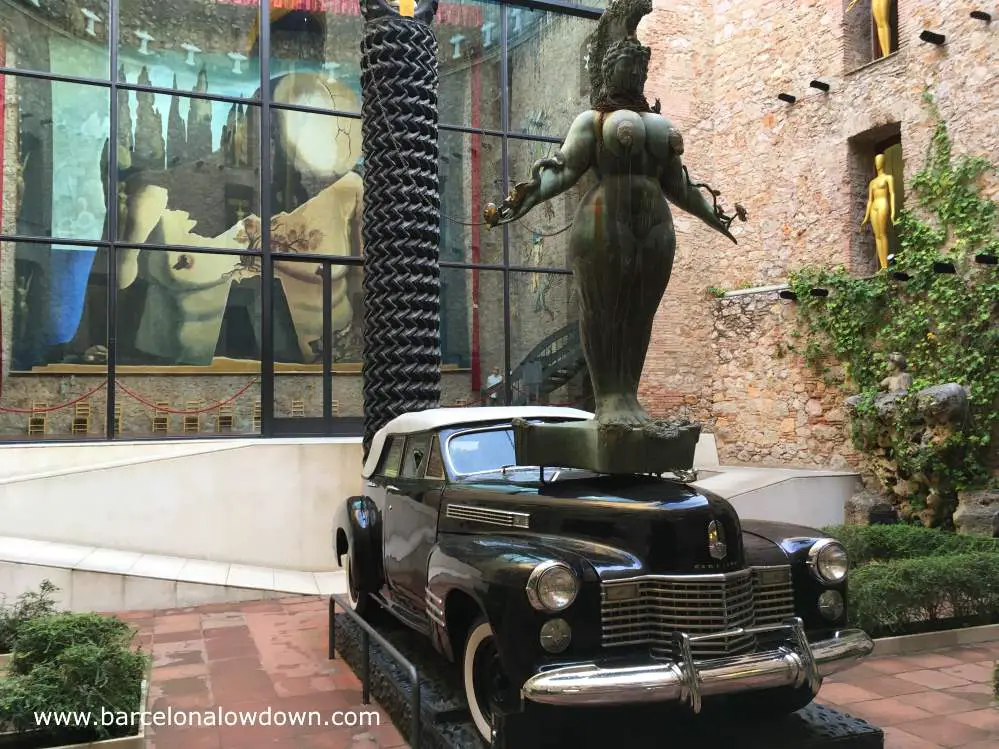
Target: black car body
[[566, 587]]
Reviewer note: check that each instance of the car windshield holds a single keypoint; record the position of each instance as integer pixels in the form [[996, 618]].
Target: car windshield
[[485, 450]]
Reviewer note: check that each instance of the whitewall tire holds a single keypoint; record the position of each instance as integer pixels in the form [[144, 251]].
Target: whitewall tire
[[355, 599], [479, 645]]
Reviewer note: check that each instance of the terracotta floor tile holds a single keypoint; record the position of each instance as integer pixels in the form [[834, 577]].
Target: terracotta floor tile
[[945, 732], [933, 679], [168, 737], [388, 736], [222, 648], [930, 660], [888, 686], [896, 738], [176, 623], [331, 740], [989, 743], [973, 672], [180, 635], [888, 665], [972, 654], [987, 719], [185, 671], [294, 686], [863, 671], [938, 702], [888, 712], [844, 694]]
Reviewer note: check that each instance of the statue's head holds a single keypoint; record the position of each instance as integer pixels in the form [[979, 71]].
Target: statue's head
[[626, 67], [879, 162], [897, 361]]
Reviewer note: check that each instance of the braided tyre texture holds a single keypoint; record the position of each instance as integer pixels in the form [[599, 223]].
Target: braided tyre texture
[[401, 221]]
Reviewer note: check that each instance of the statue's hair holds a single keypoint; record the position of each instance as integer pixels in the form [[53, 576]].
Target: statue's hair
[[625, 48]]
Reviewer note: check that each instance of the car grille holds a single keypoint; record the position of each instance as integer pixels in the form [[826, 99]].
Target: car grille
[[648, 610]]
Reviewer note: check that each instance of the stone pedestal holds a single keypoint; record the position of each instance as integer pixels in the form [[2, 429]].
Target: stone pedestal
[[446, 723], [657, 447]]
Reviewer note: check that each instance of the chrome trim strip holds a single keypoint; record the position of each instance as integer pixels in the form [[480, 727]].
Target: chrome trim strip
[[651, 681], [489, 516], [719, 577]]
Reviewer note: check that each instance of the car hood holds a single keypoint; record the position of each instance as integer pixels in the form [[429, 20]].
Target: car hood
[[624, 526]]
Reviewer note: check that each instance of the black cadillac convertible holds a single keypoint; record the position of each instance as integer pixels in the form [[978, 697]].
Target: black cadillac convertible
[[572, 588]]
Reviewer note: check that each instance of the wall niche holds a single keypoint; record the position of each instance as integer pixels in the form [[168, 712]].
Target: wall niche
[[863, 149], [861, 39]]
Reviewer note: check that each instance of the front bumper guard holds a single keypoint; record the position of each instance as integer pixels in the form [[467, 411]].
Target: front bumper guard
[[794, 664]]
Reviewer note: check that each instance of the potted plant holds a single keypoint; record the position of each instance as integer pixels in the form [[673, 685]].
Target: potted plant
[[73, 680], [27, 606]]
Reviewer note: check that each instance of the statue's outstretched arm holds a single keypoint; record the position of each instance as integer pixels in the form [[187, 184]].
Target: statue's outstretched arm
[[685, 194], [550, 176]]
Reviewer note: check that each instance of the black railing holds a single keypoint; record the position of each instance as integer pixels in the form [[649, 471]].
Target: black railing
[[367, 633], [560, 358]]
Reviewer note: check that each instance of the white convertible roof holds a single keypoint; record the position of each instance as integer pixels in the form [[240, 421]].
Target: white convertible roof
[[439, 418]]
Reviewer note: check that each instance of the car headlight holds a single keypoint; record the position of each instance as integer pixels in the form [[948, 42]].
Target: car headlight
[[552, 586], [828, 561]]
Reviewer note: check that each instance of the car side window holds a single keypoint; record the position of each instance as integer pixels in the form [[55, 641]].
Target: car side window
[[417, 450], [435, 463], [392, 457]]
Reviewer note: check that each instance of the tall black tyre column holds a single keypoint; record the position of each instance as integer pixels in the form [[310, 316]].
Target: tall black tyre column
[[401, 216]]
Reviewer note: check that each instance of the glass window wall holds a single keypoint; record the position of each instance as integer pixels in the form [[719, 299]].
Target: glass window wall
[[141, 152]]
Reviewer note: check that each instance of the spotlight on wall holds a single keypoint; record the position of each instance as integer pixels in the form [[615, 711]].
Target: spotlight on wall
[[932, 37], [790, 99], [944, 266], [985, 258], [981, 15], [820, 85], [787, 294]]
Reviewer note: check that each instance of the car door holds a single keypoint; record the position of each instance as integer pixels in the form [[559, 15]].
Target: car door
[[412, 502]]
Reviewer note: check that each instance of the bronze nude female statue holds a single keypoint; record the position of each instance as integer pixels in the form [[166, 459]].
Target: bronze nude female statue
[[622, 240]]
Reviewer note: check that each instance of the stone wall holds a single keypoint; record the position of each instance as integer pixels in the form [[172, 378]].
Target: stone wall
[[797, 170]]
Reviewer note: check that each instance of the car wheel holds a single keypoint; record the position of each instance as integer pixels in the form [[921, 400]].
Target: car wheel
[[482, 676], [357, 600]]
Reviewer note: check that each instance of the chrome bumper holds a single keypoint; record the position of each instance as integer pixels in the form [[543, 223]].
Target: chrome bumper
[[794, 664]]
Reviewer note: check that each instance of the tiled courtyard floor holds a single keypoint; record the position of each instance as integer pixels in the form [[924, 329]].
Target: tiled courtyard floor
[[251, 657]]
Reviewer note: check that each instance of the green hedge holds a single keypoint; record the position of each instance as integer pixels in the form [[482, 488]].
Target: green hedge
[[927, 593], [873, 543]]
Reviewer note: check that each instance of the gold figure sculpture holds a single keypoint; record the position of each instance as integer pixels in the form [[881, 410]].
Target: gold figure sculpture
[[881, 209], [881, 12]]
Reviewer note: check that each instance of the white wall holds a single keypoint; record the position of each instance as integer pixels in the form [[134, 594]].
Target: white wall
[[268, 503]]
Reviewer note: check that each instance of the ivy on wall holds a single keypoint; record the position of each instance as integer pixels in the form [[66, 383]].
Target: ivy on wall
[[945, 324]]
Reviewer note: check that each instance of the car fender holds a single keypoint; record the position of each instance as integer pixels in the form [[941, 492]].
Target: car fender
[[490, 572], [363, 532]]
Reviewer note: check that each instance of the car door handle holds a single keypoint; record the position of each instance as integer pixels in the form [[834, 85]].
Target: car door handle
[[392, 488], [372, 484]]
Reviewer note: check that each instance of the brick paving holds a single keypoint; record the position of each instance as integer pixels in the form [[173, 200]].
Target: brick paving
[[272, 654]]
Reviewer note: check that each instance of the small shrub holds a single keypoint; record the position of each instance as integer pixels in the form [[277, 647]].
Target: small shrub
[[925, 593], [42, 639], [872, 543], [85, 678], [26, 607]]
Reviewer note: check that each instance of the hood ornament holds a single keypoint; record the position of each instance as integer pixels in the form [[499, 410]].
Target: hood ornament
[[716, 540]]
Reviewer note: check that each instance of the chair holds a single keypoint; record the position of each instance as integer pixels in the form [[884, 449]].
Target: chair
[[336, 408], [118, 421], [192, 423], [225, 420], [38, 420], [461, 402], [161, 418], [298, 408], [256, 416], [81, 418]]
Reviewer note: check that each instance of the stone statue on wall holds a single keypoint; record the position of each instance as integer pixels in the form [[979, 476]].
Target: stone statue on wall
[[881, 13], [622, 241], [899, 381], [880, 211]]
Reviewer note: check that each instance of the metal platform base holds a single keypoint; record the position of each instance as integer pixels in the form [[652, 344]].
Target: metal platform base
[[445, 722]]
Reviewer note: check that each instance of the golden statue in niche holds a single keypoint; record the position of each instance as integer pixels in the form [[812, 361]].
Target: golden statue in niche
[[881, 12], [881, 209]]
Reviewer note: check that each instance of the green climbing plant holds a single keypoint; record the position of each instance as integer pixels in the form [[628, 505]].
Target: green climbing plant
[[946, 324]]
